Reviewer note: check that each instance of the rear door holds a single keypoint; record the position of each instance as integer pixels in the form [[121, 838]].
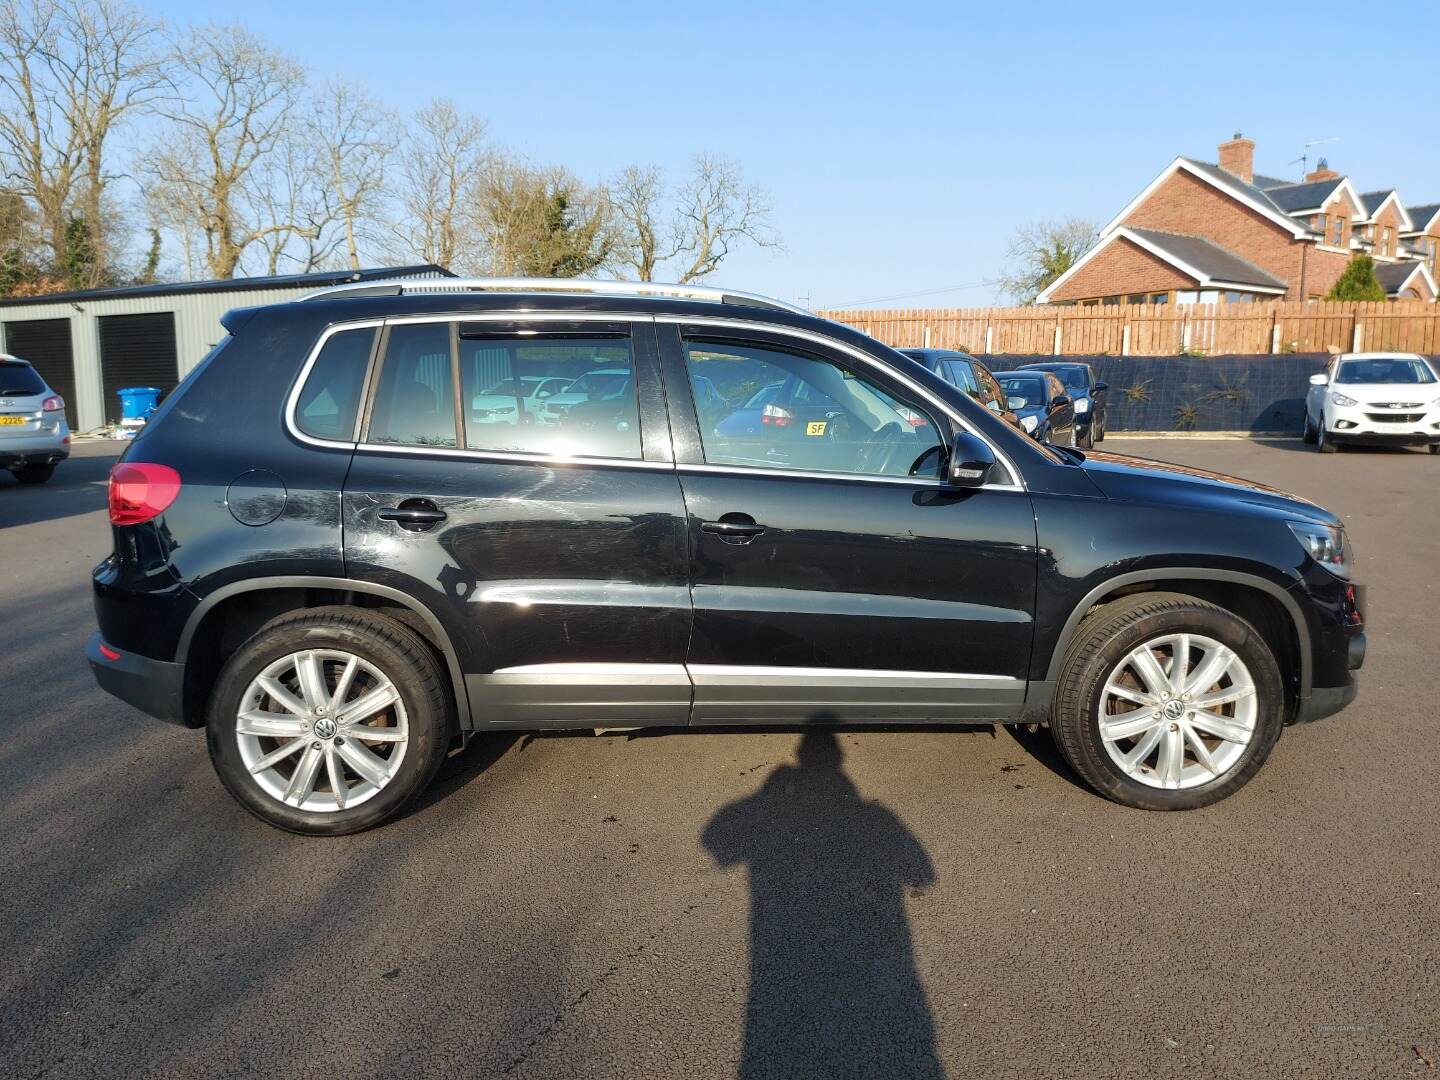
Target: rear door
[[550, 545], [834, 577]]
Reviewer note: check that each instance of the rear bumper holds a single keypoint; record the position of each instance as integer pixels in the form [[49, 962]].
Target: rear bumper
[[1325, 701], [152, 686], [19, 452]]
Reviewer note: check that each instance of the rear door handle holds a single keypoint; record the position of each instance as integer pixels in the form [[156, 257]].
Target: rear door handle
[[733, 528], [415, 515]]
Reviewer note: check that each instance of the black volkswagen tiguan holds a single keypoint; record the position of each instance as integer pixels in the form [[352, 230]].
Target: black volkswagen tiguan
[[337, 552]]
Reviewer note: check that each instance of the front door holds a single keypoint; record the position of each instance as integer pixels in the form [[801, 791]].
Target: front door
[[547, 536], [834, 576]]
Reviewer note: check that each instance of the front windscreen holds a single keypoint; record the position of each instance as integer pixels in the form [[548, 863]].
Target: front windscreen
[[1398, 370]]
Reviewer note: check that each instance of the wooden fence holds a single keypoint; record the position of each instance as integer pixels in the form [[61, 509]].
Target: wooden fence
[[1161, 330]]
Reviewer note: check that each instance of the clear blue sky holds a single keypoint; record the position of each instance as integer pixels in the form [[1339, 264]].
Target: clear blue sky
[[902, 143]]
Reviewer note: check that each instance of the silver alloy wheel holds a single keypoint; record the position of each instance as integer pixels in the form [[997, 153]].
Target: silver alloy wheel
[[1178, 711], [322, 730]]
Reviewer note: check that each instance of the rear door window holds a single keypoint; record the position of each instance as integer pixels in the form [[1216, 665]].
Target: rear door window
[[567, 395], [330, 398], [415, 395]]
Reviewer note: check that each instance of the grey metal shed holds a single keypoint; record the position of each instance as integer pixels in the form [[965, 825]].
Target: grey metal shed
[[88, 344]]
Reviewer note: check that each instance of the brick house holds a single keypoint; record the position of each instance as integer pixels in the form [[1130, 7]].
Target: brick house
[[1202, 232]]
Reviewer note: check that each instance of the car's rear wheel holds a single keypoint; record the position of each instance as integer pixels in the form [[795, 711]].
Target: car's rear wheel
[[1167, 702], [34, 474], [328, 721]]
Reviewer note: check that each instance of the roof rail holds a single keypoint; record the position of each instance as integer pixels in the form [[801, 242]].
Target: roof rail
[[551, 285]]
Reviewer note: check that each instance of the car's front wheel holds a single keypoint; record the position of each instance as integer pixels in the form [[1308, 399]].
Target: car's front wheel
[[1167, 702], [1323, 442], [1309, 436], [328, 721]]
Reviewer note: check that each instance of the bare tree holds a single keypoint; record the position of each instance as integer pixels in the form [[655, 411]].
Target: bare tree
[[713, 210], [439, 160], [352, 137], [71, 72], [232, 107], [645, 240], [1040, 251]]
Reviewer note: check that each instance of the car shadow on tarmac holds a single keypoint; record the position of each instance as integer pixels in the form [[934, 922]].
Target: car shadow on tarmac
[[78, 487]]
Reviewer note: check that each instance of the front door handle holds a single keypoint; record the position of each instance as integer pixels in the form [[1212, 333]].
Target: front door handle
[[733, 528], [415, 515]]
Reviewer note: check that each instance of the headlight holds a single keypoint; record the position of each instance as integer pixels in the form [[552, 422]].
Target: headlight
[[1341, 400], [1082, 405], [1325, 544], [1029, 423]]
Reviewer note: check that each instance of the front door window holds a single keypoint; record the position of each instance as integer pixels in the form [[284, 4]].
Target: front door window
[[762, 406]]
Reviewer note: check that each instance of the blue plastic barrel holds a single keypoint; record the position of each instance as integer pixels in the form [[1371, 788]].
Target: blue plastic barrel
[[138, 402]]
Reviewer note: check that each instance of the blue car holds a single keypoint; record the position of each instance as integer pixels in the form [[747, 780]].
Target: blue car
[[1039, 399], [1086, 391]]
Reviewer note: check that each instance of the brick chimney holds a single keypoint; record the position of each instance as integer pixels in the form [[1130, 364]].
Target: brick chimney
[[1322, 171], [1237, 157]]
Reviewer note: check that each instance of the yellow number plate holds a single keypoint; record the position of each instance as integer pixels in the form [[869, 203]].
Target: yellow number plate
[[815, 427], [13, 421]]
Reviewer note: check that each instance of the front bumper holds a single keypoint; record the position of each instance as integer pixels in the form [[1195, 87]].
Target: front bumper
[[152, 686], [1381, 425]]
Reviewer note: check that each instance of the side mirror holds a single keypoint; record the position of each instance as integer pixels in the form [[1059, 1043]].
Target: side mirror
[[1059, 401], [1319, 379], [1101, 387], [971, 461]]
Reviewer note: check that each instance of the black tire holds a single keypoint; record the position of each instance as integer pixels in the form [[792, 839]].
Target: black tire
[[1435, 448], [1100, 437], [1103, 639], [1310, 432], [395, 650], [1088, 442], [33, 474], [1323, 442]]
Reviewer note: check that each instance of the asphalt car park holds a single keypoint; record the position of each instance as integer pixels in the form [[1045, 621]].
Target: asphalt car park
[[870, 903]]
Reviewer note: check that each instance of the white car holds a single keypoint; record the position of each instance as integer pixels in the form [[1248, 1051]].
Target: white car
[[496, 404], [1380, 398], [33, 434]]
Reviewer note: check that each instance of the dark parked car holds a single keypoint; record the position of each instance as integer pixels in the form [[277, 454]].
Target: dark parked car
[[1040, 401], [1087, 392], [963, 370], [341, 576]]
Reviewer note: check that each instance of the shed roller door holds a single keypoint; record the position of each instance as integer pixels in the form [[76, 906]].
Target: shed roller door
[[136, 350], [46, 344]]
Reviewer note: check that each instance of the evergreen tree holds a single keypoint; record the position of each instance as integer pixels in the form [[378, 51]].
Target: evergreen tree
[[78, 264], [1358, 282]]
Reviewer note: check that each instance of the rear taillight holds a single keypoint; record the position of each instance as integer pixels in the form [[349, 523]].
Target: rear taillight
[[776, 416], [53, 403], [139, 491]]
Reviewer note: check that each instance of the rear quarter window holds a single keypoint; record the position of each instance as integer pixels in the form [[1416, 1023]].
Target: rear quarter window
[[330, 399]]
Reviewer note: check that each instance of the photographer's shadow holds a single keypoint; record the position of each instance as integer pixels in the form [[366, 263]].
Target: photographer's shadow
[[834, 991]]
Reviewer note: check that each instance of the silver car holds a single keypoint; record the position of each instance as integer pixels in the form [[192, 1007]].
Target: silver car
[[33, 432]]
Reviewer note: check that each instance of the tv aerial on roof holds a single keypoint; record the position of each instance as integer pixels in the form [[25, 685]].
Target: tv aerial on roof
[[1304, 159]]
